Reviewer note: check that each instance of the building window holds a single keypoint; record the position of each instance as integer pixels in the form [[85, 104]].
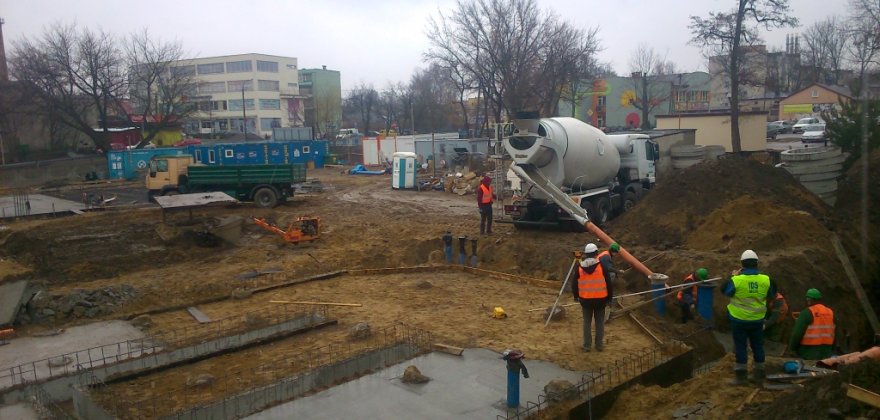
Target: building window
[[270, 104], [228, 153], [239, 66], [219, 105], [199, 156], [305, 78], [600, 122], [223, 124], [267, 85], [240, 85], [211, 157], [211, 68], [267, 124], [601, 102], [267, 66], [204, 106], [293, 86], [207, 124], [235, 104], [814, 93], [179, 71], [306, 149], [212, 87]]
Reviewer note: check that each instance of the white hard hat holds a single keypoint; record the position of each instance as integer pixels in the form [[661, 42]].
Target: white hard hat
[[748, 255], [590, 248]]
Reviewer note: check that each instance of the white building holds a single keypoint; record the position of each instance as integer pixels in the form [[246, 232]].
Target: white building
[[256, 92]]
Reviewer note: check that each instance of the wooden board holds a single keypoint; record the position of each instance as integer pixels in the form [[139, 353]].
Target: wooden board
[[854, 280], [198, 315], [863, 395], [445, 348]]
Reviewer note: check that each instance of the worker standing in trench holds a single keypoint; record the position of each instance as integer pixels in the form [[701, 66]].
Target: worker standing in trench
[[813, 334], [687, 297], [749, 292], [591, 287]]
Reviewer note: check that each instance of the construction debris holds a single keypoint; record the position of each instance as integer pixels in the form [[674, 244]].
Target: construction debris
[[360, 331], [560, 390], [412, 375], [198, 315]]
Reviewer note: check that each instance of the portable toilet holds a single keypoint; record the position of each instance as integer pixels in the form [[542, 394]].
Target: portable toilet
[[403, 170]]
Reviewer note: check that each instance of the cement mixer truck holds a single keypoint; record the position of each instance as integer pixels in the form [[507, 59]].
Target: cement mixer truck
[[602, 174]]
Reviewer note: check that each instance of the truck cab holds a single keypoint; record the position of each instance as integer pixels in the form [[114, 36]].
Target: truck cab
[[166, 173]]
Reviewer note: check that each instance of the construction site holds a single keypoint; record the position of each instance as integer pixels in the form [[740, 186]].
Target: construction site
[[127, 311]]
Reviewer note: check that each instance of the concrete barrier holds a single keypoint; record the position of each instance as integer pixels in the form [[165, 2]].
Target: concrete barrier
[[685, 156], [41, 172]]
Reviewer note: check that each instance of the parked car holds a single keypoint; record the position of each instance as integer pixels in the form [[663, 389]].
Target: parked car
[[814, 132], [803, 122], [778, 127]]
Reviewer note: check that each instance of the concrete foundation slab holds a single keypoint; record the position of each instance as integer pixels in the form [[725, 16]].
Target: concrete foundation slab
[[473, 386], [40, 204], [10, 300], [71, 342], [18, 411]]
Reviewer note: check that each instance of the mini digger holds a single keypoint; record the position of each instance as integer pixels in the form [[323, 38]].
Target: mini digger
[[303, 229]]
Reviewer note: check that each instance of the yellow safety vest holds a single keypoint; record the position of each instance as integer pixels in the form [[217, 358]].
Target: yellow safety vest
[[749, 301]]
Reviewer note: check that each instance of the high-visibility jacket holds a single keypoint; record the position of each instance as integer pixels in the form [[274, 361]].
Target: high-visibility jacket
[[592, 285], [749, 301], [605, 253], [486, 198], [821, 331], [688, 279], [783, 309]]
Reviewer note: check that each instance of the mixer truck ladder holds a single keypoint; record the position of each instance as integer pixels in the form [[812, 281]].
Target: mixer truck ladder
[[534, 176]]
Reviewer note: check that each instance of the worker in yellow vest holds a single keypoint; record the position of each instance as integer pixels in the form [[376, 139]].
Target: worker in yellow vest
[[592, 287], [484, 203], [813, 334], [749, 292]]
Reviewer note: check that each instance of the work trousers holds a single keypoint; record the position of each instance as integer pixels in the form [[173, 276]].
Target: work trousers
[[745, 333], [593, 308], [485, 218]]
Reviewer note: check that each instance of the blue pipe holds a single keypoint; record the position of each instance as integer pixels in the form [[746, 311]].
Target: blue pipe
[[659, 288], [705, 297]]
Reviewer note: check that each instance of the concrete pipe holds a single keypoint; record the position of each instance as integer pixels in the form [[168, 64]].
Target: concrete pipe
[[821, 187], [810, 154], [714, 152]]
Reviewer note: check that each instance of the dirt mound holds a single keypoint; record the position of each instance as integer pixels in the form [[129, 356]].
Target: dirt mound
[[824, 394], [681, 203]]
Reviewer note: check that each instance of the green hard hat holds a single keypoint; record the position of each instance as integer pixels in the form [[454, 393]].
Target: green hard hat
[[702, 273], [614, 247], [814, 294]]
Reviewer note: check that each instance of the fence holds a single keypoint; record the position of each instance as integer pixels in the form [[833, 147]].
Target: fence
[[82, 360], [244, 392], [623, 370]]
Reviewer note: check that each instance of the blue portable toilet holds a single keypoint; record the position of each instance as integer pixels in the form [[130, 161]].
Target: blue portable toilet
[[403, 170]]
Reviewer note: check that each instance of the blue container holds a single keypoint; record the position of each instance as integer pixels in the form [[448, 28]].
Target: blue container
[[512, 388], [659, 288], [705, 300]]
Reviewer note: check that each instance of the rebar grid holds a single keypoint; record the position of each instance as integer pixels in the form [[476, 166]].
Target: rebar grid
[[190, 396], [80, 360], [44, 406], [622, 370]]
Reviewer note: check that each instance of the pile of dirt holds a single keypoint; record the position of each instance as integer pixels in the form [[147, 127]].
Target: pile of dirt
[[681, 203], [825, 397]]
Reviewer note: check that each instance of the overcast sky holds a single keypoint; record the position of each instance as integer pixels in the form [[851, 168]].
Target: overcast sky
[[373, 41]]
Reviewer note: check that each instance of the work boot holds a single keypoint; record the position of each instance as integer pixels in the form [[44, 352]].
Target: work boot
[[741, 375], [759, 374]]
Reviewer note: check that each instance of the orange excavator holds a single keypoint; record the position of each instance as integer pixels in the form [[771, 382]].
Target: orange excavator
[[303, 229]]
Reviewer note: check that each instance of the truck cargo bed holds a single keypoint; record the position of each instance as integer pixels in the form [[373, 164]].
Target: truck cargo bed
[[246, 174]]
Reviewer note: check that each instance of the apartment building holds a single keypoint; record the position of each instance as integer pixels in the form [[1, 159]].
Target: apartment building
[[322, 89], [251, 93]]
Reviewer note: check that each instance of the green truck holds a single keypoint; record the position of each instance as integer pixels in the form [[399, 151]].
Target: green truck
[[265, 185]]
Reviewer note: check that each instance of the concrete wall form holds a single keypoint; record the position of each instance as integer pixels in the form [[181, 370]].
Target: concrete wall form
[[38, 173]]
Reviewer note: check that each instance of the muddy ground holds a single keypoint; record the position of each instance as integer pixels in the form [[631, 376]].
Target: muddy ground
[[701, 217]]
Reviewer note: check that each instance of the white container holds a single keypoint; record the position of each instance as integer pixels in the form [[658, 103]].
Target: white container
[[404, 170]]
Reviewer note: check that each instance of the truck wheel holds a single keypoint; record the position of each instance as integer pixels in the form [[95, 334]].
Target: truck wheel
[[629, 201], [602, 210], [265, 198]]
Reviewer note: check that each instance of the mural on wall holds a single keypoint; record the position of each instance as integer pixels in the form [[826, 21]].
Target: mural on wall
[[627, 98], [590, 99], [633, 120]]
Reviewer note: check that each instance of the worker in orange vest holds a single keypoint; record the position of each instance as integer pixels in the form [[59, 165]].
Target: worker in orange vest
[[813, 334], [687, 297], [777, 310], [484, 202], [592, 287]]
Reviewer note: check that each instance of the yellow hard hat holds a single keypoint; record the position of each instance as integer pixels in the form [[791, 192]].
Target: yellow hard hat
[[498, 312]]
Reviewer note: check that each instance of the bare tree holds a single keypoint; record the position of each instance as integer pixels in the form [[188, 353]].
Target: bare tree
[[863, 50], [824, 45], [362, 101], [725, 33], [76, 72], [161, 87], [434, 96], [646, 65], [503, 48]]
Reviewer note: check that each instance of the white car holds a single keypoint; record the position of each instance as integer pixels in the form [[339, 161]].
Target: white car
[[813, 132], [798, 127]]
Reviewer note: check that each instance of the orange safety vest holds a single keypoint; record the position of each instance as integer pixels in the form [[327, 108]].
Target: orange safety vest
[[783, 311], [487, 194], [592, 285], [602, 254], [821, 331], [688, 279]]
